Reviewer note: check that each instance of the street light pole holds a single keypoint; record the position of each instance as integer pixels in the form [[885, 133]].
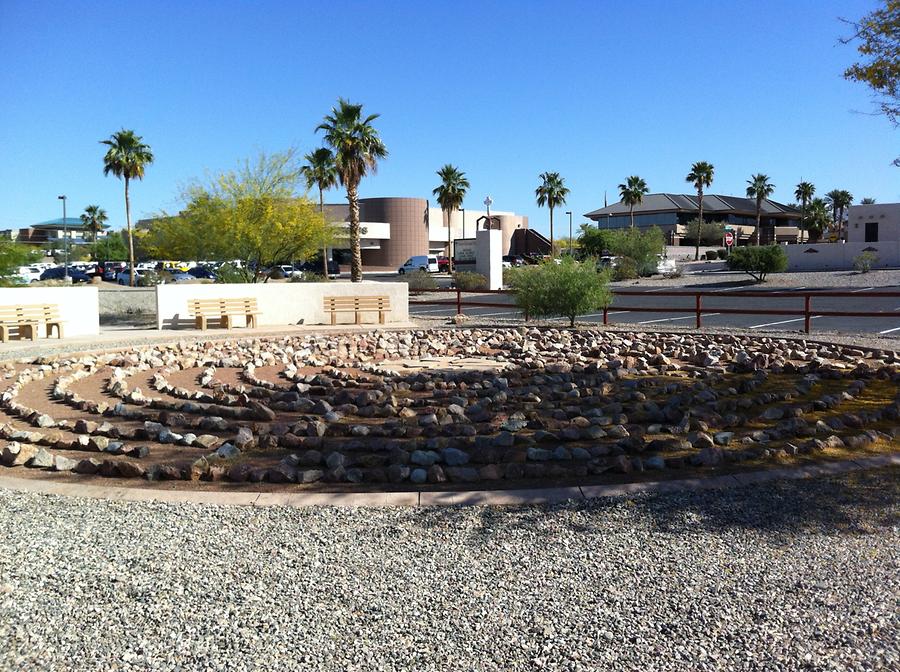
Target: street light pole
[[65, 237], [569, 213]]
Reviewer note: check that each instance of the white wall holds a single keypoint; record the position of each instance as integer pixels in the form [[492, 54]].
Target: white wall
[[78, 306], [281, 303], [887, 215], [840, 256]]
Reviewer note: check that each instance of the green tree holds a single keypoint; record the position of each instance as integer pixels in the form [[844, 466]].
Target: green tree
[[113, 247], [839, 200], [93, 219], [868, 200], [127, 158], [642, 247], [551, 192], [13, 255], [594, 242], [321, 172], [816, 218], [804, 193], [758, 261], [759, 188], [632, 193], [701, 176], [569, 288], [357, 149], [450, 194], [877, 36], [710, 233]]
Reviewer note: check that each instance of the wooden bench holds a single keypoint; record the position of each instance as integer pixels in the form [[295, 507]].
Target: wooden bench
[[223, 310], [27, 319], [357, 305]]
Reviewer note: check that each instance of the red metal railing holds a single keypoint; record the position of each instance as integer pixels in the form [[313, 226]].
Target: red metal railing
[[807, 313]]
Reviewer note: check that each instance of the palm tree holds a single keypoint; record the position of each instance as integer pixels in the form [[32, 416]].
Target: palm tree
[[759, 188], [320, 172], [357, 149], [126, 158], [450, 194], [632, 193], [93, 218], [845, 201], [551, 192], [701, 176], [804, 193], [816, 218], [868, 200], [833, 199]]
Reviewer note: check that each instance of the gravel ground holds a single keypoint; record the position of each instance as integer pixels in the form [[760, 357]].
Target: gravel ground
[[795, 575], [820, 279]]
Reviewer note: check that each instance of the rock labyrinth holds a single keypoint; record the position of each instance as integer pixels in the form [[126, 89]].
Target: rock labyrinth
[[436, 406]]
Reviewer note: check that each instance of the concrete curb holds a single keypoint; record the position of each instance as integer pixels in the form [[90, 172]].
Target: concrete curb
[[416, 498]]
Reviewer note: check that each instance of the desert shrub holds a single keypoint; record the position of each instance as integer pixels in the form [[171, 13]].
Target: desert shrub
[[468, 281], [864, 261], [309, 276], [152, 278], [711, 255], [420, 281], [643, 247], [625, 269], [722, 252], [677, 273], [568, 289], [758, 262]]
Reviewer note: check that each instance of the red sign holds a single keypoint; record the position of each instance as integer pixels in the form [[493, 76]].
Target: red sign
[[729, 238]]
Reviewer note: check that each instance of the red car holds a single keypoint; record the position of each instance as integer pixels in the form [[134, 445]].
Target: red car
[[443, 265]]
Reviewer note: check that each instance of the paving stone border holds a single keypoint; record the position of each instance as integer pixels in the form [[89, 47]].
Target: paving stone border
[[569, 405]]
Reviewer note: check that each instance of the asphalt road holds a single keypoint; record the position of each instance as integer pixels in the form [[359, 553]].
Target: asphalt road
[[861, 300]]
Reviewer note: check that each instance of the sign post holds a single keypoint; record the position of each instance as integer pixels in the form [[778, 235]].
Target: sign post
[[729, 239]]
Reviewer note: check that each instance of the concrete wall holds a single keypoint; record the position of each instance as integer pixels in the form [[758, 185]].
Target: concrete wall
[[78, 306], [886, 215], [282, 303], [840, 256]]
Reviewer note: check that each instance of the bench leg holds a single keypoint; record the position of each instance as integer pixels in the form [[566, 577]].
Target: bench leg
[[226, 321], [358, 317], [28, 330], [251, 321], [59, 329], [200, 322], [4, 333], [380, 317], [333, 318]]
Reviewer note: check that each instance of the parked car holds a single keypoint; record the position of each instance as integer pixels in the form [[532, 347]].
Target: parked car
[[110, 269], [202, 273], [315, 266], [664, 265], [289, 271], [124, 277], [443, 264], [512, 260], [421, 262], [607, 261], [180, 276], [28, 274], [59, 273]]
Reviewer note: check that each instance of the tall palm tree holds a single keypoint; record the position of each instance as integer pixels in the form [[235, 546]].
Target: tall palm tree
[[357, 149], [321, 172], [759, 188], [845, 201], [833, 199], [632, 193], [804, 193], [93, 218], [551, 192], [450, 194], [868, 200], [701, 176], [126, 158], [816, 218]]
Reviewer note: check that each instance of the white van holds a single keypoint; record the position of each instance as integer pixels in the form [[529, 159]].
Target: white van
[[421, 262]]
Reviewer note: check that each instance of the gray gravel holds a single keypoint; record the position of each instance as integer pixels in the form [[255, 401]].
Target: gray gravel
[[698, 275], [798, 575]]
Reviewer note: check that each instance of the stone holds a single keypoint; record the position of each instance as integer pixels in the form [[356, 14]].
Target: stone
[[453, 457], [462, 474], [710, 456], [723, 438], [41, 460], [309, 475], [772, 413], [654, 462], [424, 458], [539, 454], [335, 459], [16, 454], [418, 476], [62, 463], [129, 469], [397, 473], [227, 451], [244, 438], [87, 466]]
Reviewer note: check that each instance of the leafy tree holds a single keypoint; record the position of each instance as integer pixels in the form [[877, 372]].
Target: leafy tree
[[450, 194], [710, 233], [641, 246], [594, 242], [357, 149], [569, 288], [13, 255], [759, 188], [632, 193], [816, 218], [235, 218], [552, 193], [126, 158], [839, 200], [758, 261], [112, 248], [878, 38], [804, 193], [320, 172], [93, 219], [701, 176]]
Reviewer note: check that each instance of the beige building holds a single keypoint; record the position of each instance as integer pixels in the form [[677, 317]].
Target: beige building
[[876, 223]]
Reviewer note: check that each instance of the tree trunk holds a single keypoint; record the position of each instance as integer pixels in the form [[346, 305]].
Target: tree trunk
[[699, 224], [631, 212], [130, 237], [324, 246], [449, 242], [802, 216], [355, 251], [551, 233], [758, 221]]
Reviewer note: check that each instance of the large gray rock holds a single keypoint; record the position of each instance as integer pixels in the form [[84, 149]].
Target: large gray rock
[[43, 459], [454, 457]]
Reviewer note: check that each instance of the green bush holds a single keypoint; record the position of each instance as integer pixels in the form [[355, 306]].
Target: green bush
[[468, 281], [230, 274], [864, 261], [625, 269], [642, 247], [152, 278], [711, 255], [758, 262], [568, 289], [420, 281]]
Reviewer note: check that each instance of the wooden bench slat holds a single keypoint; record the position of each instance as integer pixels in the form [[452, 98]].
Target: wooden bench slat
[[225, 309], [357, 305], [27, 318]]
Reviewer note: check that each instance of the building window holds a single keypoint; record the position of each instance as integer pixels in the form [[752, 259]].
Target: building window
[[871, 232]]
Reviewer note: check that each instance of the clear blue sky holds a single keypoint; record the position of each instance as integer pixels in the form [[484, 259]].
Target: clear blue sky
[[506, 90]]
